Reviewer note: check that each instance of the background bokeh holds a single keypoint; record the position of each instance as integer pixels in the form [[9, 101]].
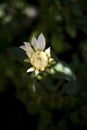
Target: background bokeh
[[57, 104]]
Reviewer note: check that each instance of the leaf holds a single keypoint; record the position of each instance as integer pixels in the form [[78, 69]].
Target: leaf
[[33, 105], [71, 30], [18, 53], [75, 7], [58, 43], [39, 88], [71, 88], [45, 120], [75, 62], [83, 46], [61, 70]]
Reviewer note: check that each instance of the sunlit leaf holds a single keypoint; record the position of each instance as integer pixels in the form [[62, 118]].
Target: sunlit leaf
[[61, 70]]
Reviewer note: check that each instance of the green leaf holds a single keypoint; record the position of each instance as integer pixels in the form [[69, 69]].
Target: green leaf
[[18, 53], [75, 7], [40, 90], [75, 62], [71, 88], [71, 30], [58, 43], [83, 46], [61, 70]]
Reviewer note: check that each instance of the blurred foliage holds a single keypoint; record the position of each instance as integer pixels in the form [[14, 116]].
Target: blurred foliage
[[61, 103]]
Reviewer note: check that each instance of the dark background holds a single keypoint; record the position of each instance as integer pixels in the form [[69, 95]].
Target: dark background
[[64, 24]]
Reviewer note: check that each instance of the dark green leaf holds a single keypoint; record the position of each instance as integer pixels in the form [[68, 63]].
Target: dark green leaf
[[18, 53]]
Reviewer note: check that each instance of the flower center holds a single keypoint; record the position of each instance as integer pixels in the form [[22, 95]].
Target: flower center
[[39, 60]]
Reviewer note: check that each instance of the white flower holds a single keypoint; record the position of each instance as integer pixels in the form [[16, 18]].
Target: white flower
[[38, 57]]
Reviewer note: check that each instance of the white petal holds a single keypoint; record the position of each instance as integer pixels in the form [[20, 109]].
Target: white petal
[[30, 69], [48, 52], [35, 43], [23, 47], [41, 42], [36, 72], [27, 44], [28, 49], [51, 59]]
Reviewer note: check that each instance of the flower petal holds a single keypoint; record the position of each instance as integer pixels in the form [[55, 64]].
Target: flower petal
[[41, 42], [27, 44], [28, 49], [35, 43], [30, 69], [51, 59], [47, 51], [23, 47], [36, 72]]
